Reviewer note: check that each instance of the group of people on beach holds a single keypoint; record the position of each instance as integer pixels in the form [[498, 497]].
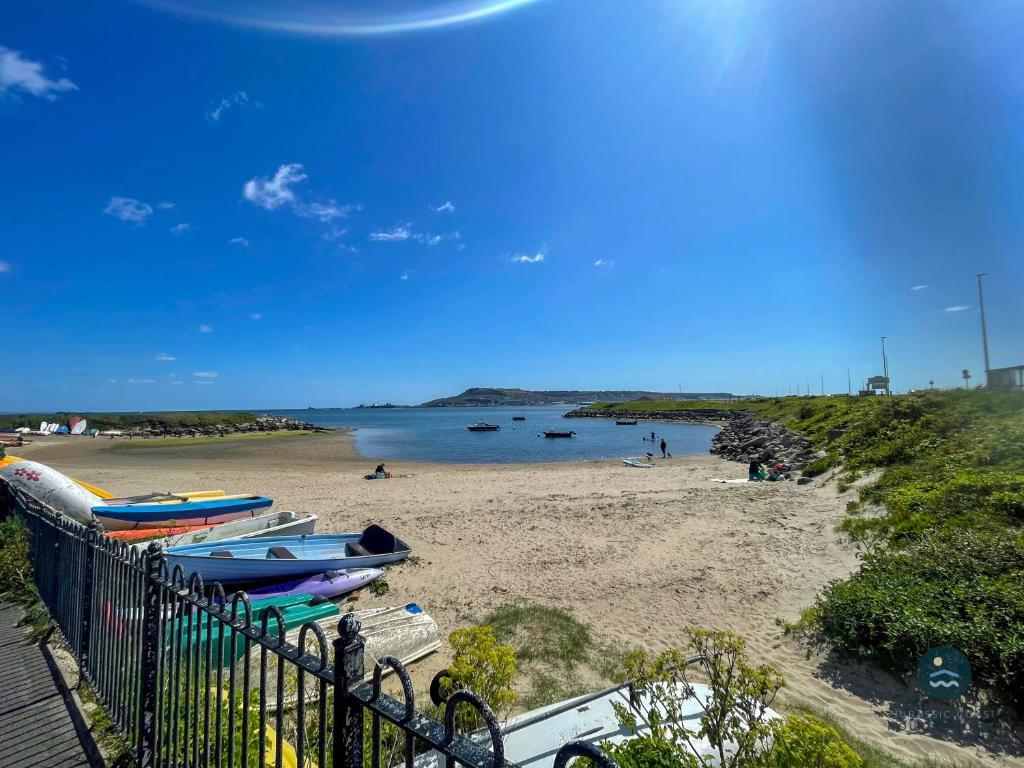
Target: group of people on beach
[[757, 471]]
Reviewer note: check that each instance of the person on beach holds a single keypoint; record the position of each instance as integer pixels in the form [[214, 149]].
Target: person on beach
[[380, 472], [664, 448], [754, 474]]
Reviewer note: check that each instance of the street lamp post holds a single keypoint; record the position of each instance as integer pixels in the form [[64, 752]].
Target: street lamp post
[[984, 332], [885, 368]]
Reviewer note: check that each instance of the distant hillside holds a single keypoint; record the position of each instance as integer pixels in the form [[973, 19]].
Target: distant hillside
[[493, 396]]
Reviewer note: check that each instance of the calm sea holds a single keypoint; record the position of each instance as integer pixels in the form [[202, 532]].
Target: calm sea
[[439, 434]]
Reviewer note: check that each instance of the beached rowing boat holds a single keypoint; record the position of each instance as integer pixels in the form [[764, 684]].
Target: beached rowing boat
[[168, 510], [282, 557], [330, 584], [274, 523]]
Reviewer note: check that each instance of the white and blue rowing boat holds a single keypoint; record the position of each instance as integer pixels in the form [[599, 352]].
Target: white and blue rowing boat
[[281, 557]]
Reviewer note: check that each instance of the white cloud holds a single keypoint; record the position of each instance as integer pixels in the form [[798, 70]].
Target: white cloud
[[163, 357], [141, 381], [399, 233], [525, 258], [20, 74], [956, 308], [204, 382], [255, 316], [237, 99], [5, 266], [405, 276], [205, 328], [325, 211], [180, 229], [446, 207], [206, 374], [165, 205], [112, 381], [273, 193], [242, 241], [604, 264], [128, 209], [919, 287]]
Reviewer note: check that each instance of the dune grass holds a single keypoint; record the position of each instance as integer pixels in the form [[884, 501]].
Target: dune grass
[[558, 655]]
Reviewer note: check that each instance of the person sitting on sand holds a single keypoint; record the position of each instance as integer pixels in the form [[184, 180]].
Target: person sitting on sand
[[380, 473], [754, 474]]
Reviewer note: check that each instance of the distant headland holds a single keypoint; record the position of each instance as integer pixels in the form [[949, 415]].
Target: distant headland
[[482, 397]]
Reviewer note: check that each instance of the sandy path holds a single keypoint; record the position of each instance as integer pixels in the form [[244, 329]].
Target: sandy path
[[639, 554]]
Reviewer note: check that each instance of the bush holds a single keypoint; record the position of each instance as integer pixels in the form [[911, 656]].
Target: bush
[[648, 752], [964, 589], [804, 741], [817, 467], [732, 717], [482, 665]]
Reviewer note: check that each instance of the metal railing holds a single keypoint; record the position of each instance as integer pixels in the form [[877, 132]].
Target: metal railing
[[192, 676]]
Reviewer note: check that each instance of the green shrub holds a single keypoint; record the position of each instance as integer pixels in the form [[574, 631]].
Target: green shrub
[[804, 741], [817, 467], [964, 589], [482, 665], [648, 752], [732, 719]]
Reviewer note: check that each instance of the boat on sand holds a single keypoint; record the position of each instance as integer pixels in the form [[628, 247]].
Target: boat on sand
[[274, 523], [533, 739], [163, 510], [283, 557]]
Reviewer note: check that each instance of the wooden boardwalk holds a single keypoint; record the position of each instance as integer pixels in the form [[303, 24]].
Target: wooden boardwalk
[[36, 725]]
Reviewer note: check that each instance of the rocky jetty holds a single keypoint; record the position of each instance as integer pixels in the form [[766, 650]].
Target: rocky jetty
[[265, 423], [692, 416], [745, 438]]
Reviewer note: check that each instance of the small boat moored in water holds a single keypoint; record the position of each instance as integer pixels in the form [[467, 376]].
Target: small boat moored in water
[[282, 557], [518, 418], [558, 433], [626, 422], [483, 426]]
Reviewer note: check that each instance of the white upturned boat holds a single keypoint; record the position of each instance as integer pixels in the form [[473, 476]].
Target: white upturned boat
[[404, 632], [533, 739], [48, 486]]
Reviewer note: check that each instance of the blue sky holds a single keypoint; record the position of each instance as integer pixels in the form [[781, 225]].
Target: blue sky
[[362, 202]]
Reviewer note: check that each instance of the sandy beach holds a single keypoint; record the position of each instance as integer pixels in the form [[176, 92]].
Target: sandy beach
[[636, 554]]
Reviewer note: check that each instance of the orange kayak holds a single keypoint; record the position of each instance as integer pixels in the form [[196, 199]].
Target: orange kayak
[[141, 534]]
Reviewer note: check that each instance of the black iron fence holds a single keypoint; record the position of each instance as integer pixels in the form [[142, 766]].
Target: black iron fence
[[192, 676]]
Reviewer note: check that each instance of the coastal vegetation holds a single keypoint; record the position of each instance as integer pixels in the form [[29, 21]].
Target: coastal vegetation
[[939, 515], [163, 420]]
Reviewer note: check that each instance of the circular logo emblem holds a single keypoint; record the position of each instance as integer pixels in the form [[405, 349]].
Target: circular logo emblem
[[943, 673]]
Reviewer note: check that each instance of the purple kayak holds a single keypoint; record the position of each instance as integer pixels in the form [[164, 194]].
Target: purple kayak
[[329, 584]]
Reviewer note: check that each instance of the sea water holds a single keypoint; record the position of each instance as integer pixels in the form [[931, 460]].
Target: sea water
[[440, 434]]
